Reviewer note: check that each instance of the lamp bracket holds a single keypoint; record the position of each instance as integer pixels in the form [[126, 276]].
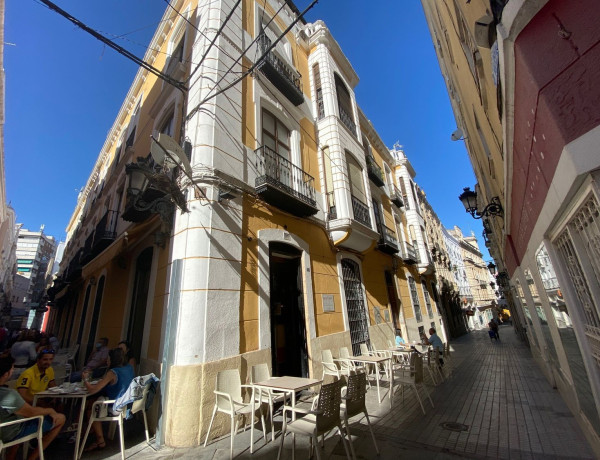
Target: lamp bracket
[[494, 208]]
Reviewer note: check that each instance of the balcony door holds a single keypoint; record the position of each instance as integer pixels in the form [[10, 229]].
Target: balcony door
[[289, 350], [276, 139], [355, 304], [137, 315]]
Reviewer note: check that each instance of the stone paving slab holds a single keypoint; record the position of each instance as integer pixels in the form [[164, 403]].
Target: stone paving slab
[[496, 390]]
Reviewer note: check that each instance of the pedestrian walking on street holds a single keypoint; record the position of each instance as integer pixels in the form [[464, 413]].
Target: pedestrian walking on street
[[494, 328]]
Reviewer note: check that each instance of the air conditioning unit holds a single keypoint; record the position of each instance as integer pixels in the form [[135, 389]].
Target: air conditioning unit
[[485, 31]]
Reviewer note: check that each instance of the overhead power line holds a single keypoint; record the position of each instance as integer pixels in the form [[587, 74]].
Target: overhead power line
[[119, 49]]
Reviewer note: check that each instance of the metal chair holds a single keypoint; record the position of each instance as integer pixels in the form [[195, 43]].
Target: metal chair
[[354, 404], [38, 434], [229, 401], [319, 421]]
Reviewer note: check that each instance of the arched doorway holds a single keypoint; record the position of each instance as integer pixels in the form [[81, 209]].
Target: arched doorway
[[289, 350], [139, 299]]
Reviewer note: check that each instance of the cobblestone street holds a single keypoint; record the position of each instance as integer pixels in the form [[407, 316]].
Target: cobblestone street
[[497, 392]]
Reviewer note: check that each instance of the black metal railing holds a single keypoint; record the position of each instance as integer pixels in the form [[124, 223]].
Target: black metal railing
[[279, 172], [281, 69], [347, 119], [361, 212], [331, 206], [106, 228], [375, 172], [388, 238], [411, 253], [396, 196]]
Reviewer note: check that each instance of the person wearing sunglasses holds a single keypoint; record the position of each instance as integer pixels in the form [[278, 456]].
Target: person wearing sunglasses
[[38, 377]]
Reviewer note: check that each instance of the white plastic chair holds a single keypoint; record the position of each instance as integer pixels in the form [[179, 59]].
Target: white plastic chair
[[98, 409], [260, 373], [347, 366], [317, 422], [433, 368], [329, 366], [413, 377], [25, 439], [229, 401], [354, 403]]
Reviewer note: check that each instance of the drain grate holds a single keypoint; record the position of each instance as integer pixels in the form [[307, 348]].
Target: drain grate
[[454, 426]]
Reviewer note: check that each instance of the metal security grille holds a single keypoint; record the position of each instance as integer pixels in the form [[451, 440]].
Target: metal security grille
[[415, 299], [357, 315], [427, 300], [584, 229]]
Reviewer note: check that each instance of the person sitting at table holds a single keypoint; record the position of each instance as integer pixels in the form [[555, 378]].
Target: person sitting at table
[[114, 384], [435, 341], [97, 361], [38, 377], [23, 351], [13, 407], [124, 345], [400, 342]]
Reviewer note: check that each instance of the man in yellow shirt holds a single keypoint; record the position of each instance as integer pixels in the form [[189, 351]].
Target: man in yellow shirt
[[38, 377]]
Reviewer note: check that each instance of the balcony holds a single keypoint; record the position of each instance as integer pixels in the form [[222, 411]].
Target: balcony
[[86, 254], [410, 256], [285, 79], [396, 196], [105, 232], [361, 212], [387, 241], [347, 120], [375, 172], [283, 184], [73, 271]]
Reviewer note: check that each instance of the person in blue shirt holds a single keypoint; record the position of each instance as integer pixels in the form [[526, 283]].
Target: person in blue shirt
[[435, 341]]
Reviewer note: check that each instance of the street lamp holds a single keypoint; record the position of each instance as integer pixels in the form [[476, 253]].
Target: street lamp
[[469, 200], [492, 268]]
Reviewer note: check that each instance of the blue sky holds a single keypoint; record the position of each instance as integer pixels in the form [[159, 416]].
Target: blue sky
[[64, 89]]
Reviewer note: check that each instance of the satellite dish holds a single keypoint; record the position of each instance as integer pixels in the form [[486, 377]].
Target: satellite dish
[[168, 153], [457, 135]]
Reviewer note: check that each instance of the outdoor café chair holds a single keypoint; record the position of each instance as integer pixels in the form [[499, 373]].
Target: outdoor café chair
[[413, 377], [316, 422], [329, 365], [102, 412], [229, 400], [347, 365], [354, 403], [25, 439], [433, 368], [260, 373]]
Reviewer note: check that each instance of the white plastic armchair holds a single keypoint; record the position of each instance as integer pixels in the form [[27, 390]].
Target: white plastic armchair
[[102, 412], [228, 392], [260, 373], [25, 439], [329, 366]]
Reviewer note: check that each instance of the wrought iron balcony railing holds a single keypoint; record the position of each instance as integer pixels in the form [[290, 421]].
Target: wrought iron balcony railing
[[396, 196], [347, 119], [284, 184], [285, 79], [106, 231], [375, 172], [410, 255], [387, 241], [361, 212]]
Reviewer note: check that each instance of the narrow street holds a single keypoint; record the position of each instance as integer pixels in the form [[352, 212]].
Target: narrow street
[[497, 392]]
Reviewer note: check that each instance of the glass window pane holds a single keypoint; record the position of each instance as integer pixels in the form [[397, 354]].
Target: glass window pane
[[268, 123]]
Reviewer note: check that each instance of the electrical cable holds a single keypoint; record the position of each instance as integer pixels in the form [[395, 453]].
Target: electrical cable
[[177, 84]]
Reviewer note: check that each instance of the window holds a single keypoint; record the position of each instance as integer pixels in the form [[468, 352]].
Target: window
[[414, 296], [404, 194], [344, 104], [275, 135], [318, 92], [427, 300], [168, 126], [355, 176]]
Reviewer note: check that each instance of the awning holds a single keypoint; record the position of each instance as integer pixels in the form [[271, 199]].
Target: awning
[[120, 245]]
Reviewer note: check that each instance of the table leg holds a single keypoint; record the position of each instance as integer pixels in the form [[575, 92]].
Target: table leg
[[293, 418], [252, 421], [79, 426], [391, 368], [377, 374]]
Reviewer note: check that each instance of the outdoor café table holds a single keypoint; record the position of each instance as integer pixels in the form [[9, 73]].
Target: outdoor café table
[[70, 392], [387, 361], [289, 385]]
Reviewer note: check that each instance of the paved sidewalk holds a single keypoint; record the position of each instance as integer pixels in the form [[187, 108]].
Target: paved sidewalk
[[497, 395]]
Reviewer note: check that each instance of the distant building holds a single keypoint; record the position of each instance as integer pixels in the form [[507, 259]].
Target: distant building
[[35, 257]]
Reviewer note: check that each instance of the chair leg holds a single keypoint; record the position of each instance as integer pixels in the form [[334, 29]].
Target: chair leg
[[87, 432], [372, 434], [428, 396], [232, 435], [272, 421], [210, 424], [317, 450], [146, 427], [349, 436], [342, 435], [283, 430], [122, 438], [414, 387]]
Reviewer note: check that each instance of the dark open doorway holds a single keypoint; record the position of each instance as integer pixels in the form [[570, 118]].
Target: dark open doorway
[[288, 325], [137, 315]]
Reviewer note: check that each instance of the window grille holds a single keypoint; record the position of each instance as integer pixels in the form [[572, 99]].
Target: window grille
[[319, 92], [357, 313], [427, 299], [584, 228], [415, 299]]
